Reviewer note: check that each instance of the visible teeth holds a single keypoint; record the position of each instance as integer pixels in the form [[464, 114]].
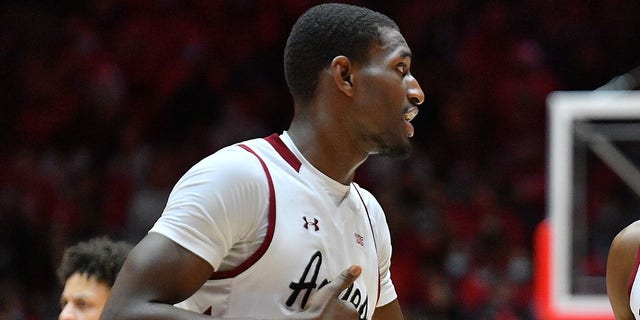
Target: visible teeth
[[410, 114]]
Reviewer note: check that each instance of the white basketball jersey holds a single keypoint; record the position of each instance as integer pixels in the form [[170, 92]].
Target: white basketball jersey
[[311, 229], [634, 289]]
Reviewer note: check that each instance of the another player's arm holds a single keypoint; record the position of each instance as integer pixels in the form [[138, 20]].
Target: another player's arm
[[390, 311], [620, 266]]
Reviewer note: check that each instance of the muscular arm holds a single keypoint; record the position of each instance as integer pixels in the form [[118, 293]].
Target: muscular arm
[[157, 274], [620, 266], [390, 311]]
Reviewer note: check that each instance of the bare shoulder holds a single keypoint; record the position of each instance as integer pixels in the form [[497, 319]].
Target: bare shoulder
[[620, 266], [628, 239], [624, 249]]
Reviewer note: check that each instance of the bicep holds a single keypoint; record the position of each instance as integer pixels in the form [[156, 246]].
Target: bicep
[[159, 270], [390, 311]]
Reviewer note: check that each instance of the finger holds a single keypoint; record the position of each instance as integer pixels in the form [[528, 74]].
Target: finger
[[328, 294], [345, 279]]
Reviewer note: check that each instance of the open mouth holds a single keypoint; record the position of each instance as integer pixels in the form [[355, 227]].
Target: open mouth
[[411, 113]]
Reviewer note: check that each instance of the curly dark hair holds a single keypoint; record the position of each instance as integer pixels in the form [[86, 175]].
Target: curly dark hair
[[324, 32], [100, 258]]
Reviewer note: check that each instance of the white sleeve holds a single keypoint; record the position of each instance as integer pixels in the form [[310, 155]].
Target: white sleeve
[[383, 243], [387, 290], [215, 204]]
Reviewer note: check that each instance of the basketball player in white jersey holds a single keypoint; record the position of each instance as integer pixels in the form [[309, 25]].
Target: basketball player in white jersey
[[623, 279], [275, 228]]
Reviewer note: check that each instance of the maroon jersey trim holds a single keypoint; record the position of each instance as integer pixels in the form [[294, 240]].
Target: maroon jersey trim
[[284, 151], [270, 229]]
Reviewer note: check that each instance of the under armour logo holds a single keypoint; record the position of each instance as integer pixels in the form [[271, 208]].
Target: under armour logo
[[307, 223]]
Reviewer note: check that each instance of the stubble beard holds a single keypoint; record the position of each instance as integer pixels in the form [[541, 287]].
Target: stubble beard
[[396, 151]]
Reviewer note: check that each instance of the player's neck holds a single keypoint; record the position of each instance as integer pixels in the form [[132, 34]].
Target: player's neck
[[328, 152]]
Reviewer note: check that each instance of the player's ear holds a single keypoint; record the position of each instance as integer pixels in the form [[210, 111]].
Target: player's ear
[[342, 73]]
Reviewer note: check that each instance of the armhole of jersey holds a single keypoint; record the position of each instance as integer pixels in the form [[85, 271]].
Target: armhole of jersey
[[635, 272], [270, 228], [373, 234]]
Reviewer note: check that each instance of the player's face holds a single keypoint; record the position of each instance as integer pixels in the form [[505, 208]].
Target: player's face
[[83, 298], [387, 97]]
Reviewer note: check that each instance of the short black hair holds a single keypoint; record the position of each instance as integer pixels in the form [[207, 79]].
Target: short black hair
[[324, 32], [99, 258]]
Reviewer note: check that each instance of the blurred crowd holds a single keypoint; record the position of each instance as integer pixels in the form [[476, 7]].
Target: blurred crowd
[[106, 103]]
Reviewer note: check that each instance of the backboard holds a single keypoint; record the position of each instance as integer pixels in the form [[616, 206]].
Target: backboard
[[593, 191]]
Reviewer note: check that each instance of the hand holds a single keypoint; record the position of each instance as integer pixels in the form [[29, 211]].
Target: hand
[[325, 303]]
